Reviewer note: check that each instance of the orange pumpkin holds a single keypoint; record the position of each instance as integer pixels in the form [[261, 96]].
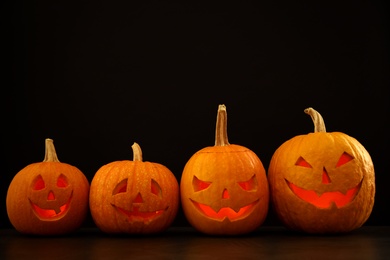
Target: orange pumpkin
[[134, 197], [322, 182], [49, 197], [224, 188]]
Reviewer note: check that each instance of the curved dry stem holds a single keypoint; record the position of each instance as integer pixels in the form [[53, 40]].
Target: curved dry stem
[[50, 151], [137, 152], [319, 124], [221, 137]]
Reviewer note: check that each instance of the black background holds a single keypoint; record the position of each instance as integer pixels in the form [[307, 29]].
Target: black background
[[96, 76]]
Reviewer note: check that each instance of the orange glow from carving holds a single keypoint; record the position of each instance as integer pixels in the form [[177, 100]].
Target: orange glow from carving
[[249, 185], [225, 212], [49, 214], [121, 187], [326, 199], [199, 184], [62, 182], [39, 183], [344, 158], [155, 188], [302, 162], [51, 196], [325, 177], [225, 194], [136, 215], [138, 199]]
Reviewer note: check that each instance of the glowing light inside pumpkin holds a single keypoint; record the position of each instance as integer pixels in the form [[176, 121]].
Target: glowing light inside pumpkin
[[49, 214], [121, 187], [225, 194], [56, 211], [302, 162], [326, 199], [155, 188], [135, 215], [325, 177], [39, 183], [344, 158], [250, 184], [199, 184], [62, 182], [224, 212], [51, 196], [138, 199]]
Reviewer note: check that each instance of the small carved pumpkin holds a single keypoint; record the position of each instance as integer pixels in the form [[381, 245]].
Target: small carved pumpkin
[[49, 197], [224, 188], [322, 182], [134, 197]]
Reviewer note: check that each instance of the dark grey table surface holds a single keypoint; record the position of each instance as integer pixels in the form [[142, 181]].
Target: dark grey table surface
[[367, 242]]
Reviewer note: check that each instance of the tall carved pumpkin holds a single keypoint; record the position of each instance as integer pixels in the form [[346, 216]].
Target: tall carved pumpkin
[[134, 197], [322, 182], [49, 197], [224, 188]]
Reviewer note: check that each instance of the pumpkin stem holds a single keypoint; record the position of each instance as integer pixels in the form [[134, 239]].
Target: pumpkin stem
[[137, 152], [221, 138], [319, 124], [50, 151]]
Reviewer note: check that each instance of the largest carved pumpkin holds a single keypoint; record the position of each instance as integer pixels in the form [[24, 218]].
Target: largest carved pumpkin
[[322, 182], [49, 197], [224, 188]]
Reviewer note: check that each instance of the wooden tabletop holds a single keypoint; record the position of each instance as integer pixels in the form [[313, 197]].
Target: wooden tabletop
[[368, 242]]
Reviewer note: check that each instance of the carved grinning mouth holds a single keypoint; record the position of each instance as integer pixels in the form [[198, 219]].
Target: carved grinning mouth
[[51, 214], [326, 199], [141, 216], [225, 212]]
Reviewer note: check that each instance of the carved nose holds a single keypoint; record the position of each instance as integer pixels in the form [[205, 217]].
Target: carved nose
[[225, 194], [51, 196], [325, 177], [138, 199]]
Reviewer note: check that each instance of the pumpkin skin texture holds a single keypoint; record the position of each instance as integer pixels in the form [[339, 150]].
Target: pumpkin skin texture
[[48, 198], [322, 182], [224, 188], [134, 197]]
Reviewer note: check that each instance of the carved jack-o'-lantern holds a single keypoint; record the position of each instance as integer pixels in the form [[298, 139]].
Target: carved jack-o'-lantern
[[49, 197], [322, 182], [224, 189], [134, 197]]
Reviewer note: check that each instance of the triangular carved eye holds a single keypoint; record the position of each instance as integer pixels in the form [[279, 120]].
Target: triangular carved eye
[[250, 184], [344, 158], [199, 184], [302, 162], [39, 183], [62, 182], [155, 188], [120, 187]]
